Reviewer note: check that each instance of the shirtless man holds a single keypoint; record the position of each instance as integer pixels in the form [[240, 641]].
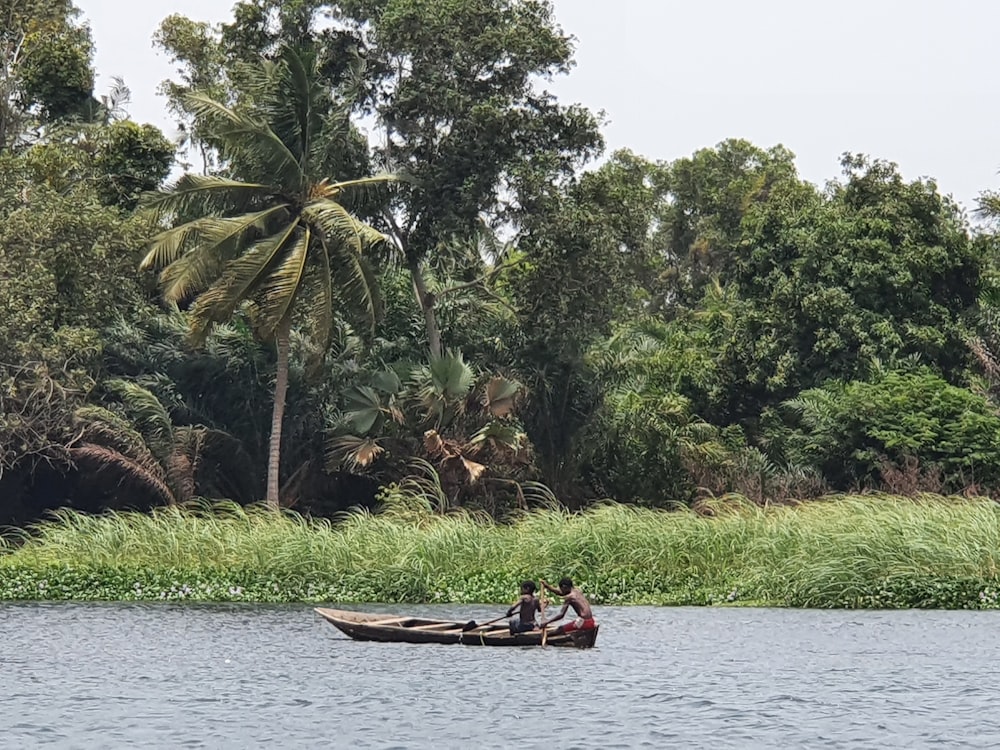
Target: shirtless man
[[572, 597], [529, 606]]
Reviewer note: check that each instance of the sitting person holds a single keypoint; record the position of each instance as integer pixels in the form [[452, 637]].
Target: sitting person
[[529, 605], [572, 597]]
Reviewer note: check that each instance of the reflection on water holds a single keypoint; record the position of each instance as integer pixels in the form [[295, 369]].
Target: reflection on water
[[113, 675]]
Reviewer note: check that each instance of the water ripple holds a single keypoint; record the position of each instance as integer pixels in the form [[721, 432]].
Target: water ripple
[[111, 675]]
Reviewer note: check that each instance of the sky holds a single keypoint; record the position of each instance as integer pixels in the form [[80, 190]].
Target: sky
[[908, 81]]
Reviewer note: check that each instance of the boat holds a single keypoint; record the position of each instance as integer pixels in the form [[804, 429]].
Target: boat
[[367, 626]]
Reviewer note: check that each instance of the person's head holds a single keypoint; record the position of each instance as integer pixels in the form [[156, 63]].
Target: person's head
[[527, 587], [566, 585]]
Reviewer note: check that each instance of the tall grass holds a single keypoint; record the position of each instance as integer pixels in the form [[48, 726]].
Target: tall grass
[[846, 551]]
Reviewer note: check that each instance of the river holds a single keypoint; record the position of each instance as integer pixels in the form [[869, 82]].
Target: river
[[233, 676]]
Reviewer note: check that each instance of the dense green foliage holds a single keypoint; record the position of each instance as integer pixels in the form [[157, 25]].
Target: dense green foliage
[[848, 431], [507, 312], [275, 236], [873, 551]]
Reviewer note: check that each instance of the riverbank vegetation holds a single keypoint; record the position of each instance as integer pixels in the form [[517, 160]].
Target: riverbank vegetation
[[380, 244], [851, 551]]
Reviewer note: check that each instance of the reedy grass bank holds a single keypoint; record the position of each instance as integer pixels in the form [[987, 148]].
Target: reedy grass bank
[[850, 551]]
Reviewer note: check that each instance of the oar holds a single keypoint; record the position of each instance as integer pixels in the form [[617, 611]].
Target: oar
[[545, 629], [471, 624]]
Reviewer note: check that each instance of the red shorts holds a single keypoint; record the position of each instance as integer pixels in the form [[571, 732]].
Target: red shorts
[[579, 624]]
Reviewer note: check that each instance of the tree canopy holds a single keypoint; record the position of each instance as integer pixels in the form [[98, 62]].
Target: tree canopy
[[513, 313]]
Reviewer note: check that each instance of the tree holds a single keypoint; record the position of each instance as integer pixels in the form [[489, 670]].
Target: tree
[[45, 64], [218, 60], [710, 192], [273, 235], [462, 421], [142, 447], [195, 46], [644, 437], [852, 431], [877, 269], [130, 160], [802, 286], [585, 253], [453, 89], [68, 260]]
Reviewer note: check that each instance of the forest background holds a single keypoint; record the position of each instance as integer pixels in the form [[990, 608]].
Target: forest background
[[381, 234]]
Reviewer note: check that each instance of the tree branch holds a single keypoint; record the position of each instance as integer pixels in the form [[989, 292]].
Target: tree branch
[[489, 276]]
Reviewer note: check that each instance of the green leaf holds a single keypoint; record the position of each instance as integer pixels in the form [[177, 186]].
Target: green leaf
[[243, 135], [240, 278], [194, 191], [363, 407], [282, 286], [215, 241]]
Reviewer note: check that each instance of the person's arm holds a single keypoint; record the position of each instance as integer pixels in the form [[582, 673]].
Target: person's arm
[[562, 614], [552, 588], [515, 607]]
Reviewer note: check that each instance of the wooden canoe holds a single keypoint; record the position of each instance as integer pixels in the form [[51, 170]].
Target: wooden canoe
[[367, 626]]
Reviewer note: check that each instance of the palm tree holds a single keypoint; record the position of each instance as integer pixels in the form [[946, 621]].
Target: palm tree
[[272, 236], [444, 412], [147, 451]]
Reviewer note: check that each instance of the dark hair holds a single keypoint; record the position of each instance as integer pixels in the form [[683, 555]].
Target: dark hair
[[565, 583], [527, 587]]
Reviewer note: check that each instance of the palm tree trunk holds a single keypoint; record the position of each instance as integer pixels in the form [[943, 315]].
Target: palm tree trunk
[[426, 301], [280, 389]]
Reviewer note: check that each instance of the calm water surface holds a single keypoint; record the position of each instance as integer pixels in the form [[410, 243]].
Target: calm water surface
[[116, 676]]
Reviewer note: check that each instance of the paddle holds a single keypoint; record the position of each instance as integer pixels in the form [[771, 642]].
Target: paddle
[[545, 629], [471, 624]]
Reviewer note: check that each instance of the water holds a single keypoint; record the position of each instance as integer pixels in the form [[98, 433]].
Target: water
[[120, 676]]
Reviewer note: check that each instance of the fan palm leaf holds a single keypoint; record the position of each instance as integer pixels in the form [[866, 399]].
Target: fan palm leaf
[[499, 395], [353, 452], [451, 376], [498, 435]]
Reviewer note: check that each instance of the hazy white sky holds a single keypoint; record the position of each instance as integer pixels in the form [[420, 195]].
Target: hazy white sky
[[910, 81]]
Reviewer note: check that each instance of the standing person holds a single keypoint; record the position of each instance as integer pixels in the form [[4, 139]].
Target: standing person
[[529, 605], [572, 597]]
